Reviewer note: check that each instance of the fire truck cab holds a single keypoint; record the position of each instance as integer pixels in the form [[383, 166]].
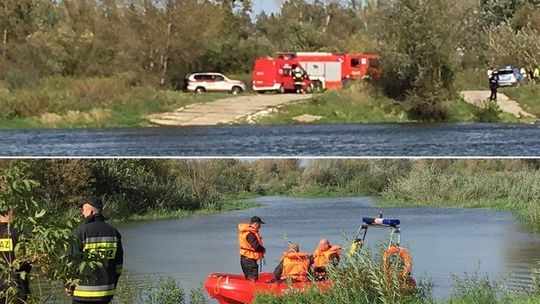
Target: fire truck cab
[[327, 71], [275, 75]]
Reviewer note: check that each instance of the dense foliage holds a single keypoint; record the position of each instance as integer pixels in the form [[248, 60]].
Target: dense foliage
[[137, 187], [423, 43]]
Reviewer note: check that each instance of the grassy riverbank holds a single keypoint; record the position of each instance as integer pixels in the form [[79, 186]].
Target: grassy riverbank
[[361, 104], [353, 105], [125, 100], [104, 102], [514, 189], [528, 96]]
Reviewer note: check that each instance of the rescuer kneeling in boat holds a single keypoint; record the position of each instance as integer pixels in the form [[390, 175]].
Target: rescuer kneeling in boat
[[251, 247], [324, 254], [293, 267]]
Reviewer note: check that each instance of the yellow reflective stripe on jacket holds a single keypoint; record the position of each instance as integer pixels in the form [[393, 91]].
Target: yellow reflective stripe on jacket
[[92, 294], [108, 249], [84, 291], [6, 244], [103, 245]]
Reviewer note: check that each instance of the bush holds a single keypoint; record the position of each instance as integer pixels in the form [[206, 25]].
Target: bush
[[17, 79], [426, 106], [488, 112]]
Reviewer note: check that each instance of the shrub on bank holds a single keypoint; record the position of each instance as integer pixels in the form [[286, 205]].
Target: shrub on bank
[[488, 112], [510, 189]]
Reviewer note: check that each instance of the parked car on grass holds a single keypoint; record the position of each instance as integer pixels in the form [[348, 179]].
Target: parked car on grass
[[213, 82], [510, 76]]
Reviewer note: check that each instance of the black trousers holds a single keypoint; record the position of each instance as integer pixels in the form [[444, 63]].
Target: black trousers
[[250, 268], [493, 94]]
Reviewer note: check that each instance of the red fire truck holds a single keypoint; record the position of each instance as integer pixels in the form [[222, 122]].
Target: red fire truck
[[275, 75], [325, 70]]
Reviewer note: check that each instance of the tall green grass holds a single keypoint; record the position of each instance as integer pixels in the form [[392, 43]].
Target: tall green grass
[[471, 80], [362, 279], [65, 102], [357, 104], [516, 190], [527, 95]]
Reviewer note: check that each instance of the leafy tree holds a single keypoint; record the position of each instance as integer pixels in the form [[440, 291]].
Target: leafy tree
[[419, 57], [44, 235], [496, 11]]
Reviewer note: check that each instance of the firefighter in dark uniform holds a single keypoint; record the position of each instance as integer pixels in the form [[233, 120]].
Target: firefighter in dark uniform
[[494, 85], [298, 76], [9, 238], [251, 247], [97, 237]]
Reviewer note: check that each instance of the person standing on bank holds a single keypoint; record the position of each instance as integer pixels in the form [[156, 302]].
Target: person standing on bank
[[9, 238], [97, 237], [494, 85], [251, 247]]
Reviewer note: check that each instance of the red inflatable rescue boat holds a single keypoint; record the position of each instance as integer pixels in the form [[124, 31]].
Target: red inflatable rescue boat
[[234, 289]]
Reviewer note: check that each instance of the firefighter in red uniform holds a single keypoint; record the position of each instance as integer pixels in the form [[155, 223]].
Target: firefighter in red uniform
[[251, 247]]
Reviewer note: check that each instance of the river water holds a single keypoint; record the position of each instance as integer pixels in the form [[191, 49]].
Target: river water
[[442, 241], [470, 139]]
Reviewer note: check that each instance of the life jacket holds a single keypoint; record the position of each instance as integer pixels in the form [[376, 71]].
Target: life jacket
[[321, 258], [295, 266], [245, 247]]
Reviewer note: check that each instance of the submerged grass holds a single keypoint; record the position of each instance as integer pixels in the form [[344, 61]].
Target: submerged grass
[[167, 214]]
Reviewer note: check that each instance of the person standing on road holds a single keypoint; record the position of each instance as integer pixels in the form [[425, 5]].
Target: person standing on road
[[494, 85], [95, 236], [251, 247], [298, 76]]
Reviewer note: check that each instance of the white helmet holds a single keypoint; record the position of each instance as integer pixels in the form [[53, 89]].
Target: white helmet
[[297, 69]]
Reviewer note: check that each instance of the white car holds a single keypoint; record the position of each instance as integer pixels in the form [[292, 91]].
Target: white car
[[213, 82]]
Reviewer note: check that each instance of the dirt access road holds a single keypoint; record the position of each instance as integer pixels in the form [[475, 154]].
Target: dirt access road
[[507, 105], [224, 111]]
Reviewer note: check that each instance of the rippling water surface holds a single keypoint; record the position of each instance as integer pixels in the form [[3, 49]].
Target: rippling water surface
[[442, 241], [295, 140]]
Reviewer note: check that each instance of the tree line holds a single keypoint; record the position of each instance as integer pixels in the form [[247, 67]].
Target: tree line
[[423, 43], [141, 186]]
